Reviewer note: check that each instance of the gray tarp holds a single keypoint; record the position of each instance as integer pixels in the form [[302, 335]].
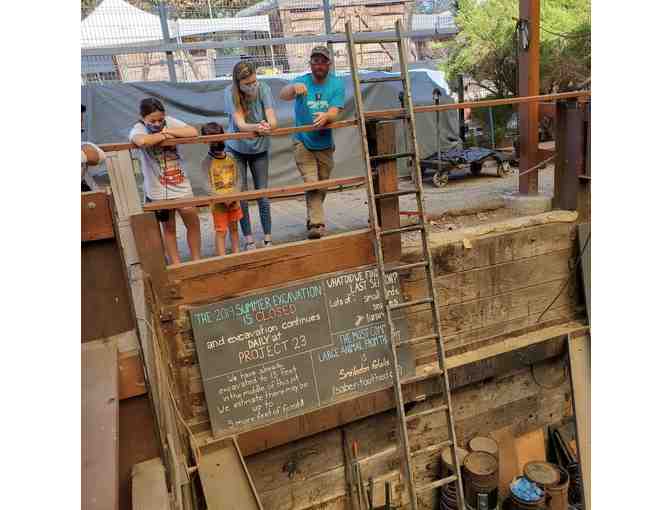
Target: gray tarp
[[112, 110]]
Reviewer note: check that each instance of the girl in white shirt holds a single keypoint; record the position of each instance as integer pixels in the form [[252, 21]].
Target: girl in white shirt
[[163, 172]]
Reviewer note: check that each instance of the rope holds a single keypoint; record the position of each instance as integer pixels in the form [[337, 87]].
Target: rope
[[537, 166], [571, 273], [158, 358]]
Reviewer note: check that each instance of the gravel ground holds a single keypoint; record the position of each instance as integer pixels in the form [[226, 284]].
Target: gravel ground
[[466, 201]]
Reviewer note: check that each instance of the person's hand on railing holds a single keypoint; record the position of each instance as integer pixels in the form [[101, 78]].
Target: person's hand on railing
[[263, 128], [321, 119]]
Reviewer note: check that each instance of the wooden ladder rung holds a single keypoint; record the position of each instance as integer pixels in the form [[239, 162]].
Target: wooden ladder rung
[[404, 267], [437, 483], [415, 302], [432, 410], [409, 228], [396, 193], [432, 448]]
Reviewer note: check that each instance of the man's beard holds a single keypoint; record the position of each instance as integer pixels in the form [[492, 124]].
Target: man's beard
[[320, 74]]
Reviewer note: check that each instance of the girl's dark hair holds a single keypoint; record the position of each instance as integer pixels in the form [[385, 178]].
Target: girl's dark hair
[[150, 105], [243, 69]]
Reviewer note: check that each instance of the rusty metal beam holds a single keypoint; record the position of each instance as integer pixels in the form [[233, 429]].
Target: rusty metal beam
[[528, 85]]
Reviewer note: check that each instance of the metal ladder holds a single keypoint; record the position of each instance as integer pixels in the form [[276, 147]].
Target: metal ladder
[[426, 263]]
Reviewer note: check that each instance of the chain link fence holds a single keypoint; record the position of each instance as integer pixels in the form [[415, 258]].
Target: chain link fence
[[125, 40]]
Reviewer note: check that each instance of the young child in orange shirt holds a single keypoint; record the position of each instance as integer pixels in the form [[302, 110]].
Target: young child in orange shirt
[[223, 177]]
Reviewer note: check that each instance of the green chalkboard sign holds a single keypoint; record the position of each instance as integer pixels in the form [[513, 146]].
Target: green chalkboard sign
[[267, 357]]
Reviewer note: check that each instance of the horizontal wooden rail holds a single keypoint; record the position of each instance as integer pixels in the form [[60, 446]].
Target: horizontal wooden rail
[[286, 131], [284, 191], [385, 114], [371, 115]]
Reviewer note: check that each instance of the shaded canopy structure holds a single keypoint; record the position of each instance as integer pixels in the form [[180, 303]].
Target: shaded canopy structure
[[118, 23]]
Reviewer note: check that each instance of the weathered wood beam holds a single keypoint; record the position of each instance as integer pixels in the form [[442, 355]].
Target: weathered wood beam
[[96, 216], [232, 275], [382, 139], [283, 191]]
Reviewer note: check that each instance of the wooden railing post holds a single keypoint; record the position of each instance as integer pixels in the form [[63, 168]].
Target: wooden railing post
[[382, 140]]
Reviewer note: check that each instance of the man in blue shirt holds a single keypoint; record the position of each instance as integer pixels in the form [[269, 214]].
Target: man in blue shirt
[[318, 100]]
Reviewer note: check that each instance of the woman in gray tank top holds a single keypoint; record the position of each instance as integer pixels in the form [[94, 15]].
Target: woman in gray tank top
[[250, 107]]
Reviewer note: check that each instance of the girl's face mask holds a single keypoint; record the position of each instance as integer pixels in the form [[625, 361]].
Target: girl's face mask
[[155, 127], [250, 89]]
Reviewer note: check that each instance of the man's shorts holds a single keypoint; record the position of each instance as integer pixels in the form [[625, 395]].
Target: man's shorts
[[223, 214]]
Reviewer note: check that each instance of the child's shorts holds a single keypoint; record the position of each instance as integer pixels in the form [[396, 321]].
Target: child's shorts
[[223, 214]]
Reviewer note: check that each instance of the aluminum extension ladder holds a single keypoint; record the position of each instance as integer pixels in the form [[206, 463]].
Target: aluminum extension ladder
[[431, 299]]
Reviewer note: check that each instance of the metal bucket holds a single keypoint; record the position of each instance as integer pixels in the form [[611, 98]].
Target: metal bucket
[[484, 444], [557, 496], [448, 493], [481, 480], [519, 504]]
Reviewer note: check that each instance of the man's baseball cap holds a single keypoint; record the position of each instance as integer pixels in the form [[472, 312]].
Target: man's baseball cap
[[321, 50]]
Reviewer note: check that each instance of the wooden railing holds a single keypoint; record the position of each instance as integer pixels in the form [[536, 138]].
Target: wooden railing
[[330, 184], [371, 115]]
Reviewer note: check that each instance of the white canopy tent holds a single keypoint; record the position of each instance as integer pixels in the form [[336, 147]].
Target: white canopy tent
[[118, 23]]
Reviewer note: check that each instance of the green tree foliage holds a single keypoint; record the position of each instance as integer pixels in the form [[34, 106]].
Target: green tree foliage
[[485, 47]]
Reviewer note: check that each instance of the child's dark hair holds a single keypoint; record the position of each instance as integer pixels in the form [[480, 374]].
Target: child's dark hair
[[212, 128], [150, 105]]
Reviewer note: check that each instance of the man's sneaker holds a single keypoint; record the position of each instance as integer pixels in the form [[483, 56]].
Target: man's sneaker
[[267, 243], [314, 230], [249, 246]]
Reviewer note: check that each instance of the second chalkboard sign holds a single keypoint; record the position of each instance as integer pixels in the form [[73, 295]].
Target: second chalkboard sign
[[288, 351]]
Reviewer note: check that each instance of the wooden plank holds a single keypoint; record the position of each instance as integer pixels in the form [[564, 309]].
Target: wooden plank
[[131, 375], [478, 314], [497, 242], [100, 426], [126, 201], [236, 274], [488, 281], [149, 245], [105, 304], [225, 479], [149, 486], [529, 447], [252, 195], [508, 461], [584, 234], [138, 441], [96, 216], [383, 141], [295, 461], [579, 364]]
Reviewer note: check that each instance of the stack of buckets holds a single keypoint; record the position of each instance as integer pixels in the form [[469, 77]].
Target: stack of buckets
[[448, 493], [480, 476]]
